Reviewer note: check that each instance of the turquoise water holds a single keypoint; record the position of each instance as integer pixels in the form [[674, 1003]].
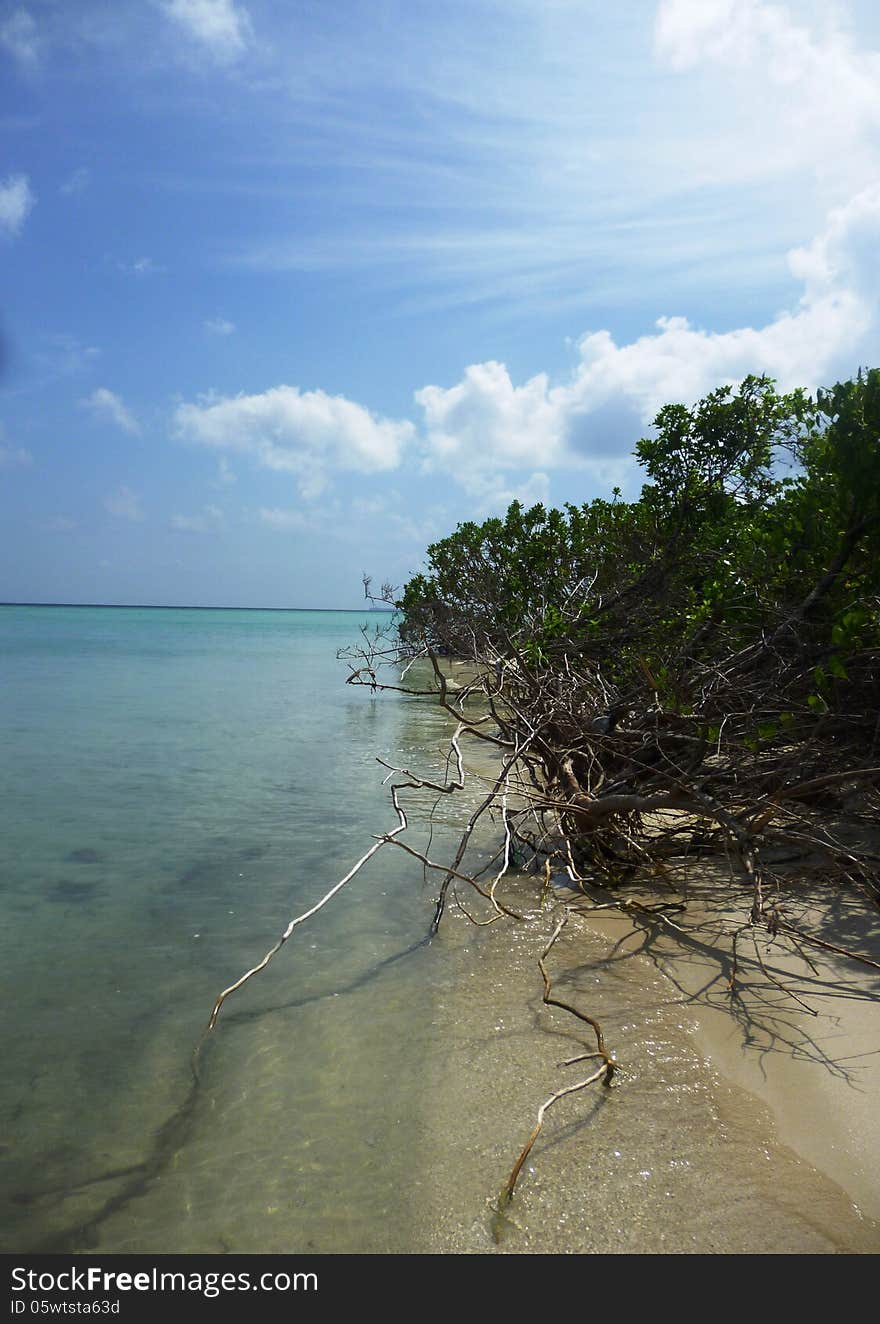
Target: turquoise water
[[175, 785]]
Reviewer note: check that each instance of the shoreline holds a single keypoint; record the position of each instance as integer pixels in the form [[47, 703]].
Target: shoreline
[[812, 1059], [818, 1073], [693, 1151]]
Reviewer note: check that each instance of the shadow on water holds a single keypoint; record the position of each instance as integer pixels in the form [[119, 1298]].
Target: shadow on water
[[67, 891], [174, 1133]]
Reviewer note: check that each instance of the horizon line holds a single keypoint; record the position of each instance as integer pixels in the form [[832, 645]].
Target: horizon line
[[183, 606]]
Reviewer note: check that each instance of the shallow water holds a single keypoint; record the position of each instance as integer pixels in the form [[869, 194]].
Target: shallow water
[[176, 785]]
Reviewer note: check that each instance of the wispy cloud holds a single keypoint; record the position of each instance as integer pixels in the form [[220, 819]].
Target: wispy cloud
[[141, 266], [801, 97], [106, 404], [285, 521], [588, 194], [17, 199], [65, 356], [220, 27], [20, 35], [225, 475], [76, 183], [124, 504], [13, 457], [209, 520], [219, 326]]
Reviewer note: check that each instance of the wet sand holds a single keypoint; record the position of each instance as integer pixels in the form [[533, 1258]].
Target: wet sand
[[733, 1126]]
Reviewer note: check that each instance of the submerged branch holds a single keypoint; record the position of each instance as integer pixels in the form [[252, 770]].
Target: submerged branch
[[604, 1073]]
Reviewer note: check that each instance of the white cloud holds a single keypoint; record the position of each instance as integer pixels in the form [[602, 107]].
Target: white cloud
[[219, 326], [106, 404], [57, 524], [687, 31], [485, 425], [283, 520], [220, 26], [209, 520], [18, 33], [141, 266], [486, 412], [692, 173], [495, 491], [498, 439], [66, 356], [805, 96], [124, 504], [16, 201], [309, 433], [225, 475], [843, 255]]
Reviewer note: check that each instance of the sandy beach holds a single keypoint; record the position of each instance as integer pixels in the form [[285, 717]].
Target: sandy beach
[[744, 1125], [741, 1121]]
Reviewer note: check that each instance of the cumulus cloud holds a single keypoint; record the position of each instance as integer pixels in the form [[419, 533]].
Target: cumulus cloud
[[209, 520], [306, 433], [219, 326], [844, 255], [106, 404], [16, 201], [485, 411], [486, 425], [19, 34], [220, 27], [499, 439], [124, 504]]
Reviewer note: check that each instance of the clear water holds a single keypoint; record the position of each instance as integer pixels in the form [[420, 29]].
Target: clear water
[[175, 785]]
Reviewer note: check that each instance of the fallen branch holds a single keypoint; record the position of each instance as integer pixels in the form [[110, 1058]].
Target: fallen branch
[[604, 1073]]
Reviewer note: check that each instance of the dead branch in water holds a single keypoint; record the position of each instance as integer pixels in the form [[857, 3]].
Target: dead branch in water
[[604, 1073], [387, 838]]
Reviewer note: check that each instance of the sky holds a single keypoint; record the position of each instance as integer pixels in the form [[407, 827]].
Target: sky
[[290, 288]]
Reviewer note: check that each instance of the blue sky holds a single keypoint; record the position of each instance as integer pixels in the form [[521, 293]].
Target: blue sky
[[289, 288]]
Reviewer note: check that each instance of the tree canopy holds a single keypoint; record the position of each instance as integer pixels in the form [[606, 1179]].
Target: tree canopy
[[757, 508], [711, 645]]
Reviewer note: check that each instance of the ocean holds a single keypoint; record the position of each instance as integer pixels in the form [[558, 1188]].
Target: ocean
[[176, 785]]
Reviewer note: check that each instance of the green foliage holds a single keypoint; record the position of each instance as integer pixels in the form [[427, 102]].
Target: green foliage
[[759, 518]]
